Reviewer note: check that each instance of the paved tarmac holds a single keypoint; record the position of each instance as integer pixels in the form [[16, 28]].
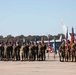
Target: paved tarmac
[[49, 67]]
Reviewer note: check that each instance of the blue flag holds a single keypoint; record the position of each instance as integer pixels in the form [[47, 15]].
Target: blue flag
[[55, 50]]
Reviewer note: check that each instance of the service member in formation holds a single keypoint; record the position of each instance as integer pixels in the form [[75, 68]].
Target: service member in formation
[[62, 51], [39, 51], [5, 51], [17, 51], [33, 52], [30, 52], [68, 51], [22, 52], [13, 52], [43, 51], [73, 51], [9, 51], [26, 51], [36, 51], [1, 51]]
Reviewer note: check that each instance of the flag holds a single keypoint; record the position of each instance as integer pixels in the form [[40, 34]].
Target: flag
[[72, 38], [67, 35], [55, 50], [49, 44], [66, 41], [48, 40], [75, 39], [65, 31], [72, 35]]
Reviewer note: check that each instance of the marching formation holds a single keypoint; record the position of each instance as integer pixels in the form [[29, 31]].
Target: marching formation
[[35, 51], [25, 52], [67, 52]]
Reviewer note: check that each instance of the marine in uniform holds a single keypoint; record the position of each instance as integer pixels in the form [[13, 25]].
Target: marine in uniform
[[9, 51], [26, 51], [17, 51], [22, 52], [68, 51], [5, 51], [36, 50], [43, 51], [39, 51], [62, 51], [73, 50], [1, 51], [33, 51], [30, 52]]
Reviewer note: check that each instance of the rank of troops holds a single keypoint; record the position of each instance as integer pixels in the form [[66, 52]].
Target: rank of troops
[[67, 52], [25, 52]]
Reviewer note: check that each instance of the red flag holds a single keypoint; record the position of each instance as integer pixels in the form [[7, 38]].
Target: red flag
[[72, 35], [72, 39]]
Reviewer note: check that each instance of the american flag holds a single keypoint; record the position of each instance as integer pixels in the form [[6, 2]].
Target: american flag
[[49, 44]]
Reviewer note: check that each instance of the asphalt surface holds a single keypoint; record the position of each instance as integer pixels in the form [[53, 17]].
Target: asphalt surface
[[49, 67]]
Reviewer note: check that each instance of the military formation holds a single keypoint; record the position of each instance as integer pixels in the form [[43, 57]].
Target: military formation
[[25, 52], [32, 51], [67, 51]]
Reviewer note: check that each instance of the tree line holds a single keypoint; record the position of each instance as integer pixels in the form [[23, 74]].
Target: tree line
[[32, 37]]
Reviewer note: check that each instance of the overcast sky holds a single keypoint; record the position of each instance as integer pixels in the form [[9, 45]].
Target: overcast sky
[[36, 17]]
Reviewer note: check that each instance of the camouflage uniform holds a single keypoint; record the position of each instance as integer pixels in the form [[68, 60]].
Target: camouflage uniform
[[1, 52], [36, 50], [17, 52], [26, 51], [13, 53], [33, 52], [43, 52], [68, 51], [39, 52], [5, 51], [9, 51], [22, 52], [62, 52], [73, 51], [30, 53]]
